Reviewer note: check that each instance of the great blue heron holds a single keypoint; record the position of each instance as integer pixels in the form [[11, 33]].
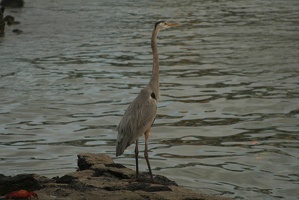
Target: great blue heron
[[141, 113]]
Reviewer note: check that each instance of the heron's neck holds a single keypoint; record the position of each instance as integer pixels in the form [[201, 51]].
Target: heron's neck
[[154, 82]]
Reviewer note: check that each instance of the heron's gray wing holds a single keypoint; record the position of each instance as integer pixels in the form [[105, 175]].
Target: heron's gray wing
[[138, 118]]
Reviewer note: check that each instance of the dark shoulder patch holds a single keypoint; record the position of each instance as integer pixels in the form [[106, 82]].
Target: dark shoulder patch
[[153, 95]]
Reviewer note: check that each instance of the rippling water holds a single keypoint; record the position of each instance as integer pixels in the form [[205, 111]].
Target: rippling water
[[228, 119]]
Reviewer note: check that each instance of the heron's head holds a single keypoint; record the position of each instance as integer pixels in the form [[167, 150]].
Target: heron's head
[[163, 24]]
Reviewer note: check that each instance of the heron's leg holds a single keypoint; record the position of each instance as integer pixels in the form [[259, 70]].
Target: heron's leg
[[136, 158], [147, 134]]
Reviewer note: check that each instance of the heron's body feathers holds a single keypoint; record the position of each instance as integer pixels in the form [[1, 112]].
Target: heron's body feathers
[[138, 118]]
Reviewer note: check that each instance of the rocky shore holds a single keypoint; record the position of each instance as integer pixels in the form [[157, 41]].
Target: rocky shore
[[10, 20], [12, 3], [98, 177]]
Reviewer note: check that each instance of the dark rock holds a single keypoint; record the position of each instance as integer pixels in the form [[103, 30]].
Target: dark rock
[[78, 186], [117, 165], [113, 188], [2, 23], [17, 31], [164, 180], [66, 179], [21, 181], [147, 187], [158, 188], [137, 186], [13, 3], [10, 20]]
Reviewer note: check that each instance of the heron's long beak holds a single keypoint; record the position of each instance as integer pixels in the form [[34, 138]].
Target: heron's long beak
[[170, 24]]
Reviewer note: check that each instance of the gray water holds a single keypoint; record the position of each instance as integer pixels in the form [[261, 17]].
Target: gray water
[[228, 119]]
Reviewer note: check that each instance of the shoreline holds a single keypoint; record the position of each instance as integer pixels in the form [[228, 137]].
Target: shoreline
[[98, 177]]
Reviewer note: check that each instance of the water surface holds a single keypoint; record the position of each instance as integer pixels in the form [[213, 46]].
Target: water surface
[[228, 119]]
